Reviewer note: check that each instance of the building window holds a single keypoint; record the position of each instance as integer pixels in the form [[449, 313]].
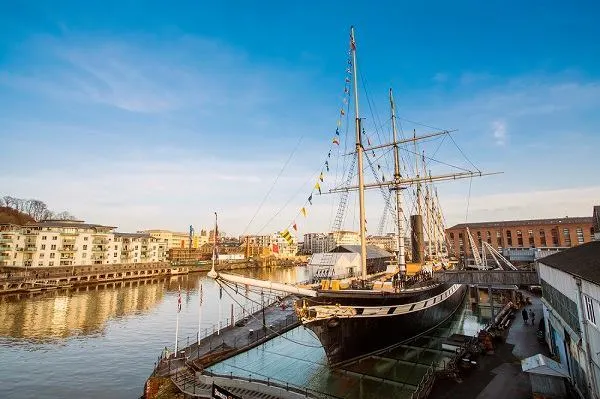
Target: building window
[[85, 238], [53, 247], [85, 247], [40, 263], [554, 233], [452, 236], [589, 309], [580, 239], [567, 237], [489, 237], [509, 238], [519, 238], [43, 246], [115, 247], [115, 255], [51, 263], [52, 255], [43, 237], [531, 241], [41, 256], [543, 238], [84, 255], [54, 238]]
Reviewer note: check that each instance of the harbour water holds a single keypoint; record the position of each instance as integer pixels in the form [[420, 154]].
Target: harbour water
[[102, 341]]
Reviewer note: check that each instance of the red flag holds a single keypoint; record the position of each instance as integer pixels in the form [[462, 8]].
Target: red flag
[[295, 227], [275, 248]]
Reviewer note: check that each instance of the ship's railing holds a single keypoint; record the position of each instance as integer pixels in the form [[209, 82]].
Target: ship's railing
[[425, 385], [272, 382]]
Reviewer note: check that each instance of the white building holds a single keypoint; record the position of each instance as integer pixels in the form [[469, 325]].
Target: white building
[[571, 296], [71, 242], [320, 242], [344, 261]]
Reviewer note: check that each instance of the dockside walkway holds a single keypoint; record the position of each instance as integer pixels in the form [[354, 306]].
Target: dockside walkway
[[187, 368]]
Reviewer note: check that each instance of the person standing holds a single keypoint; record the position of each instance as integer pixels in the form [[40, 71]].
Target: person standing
[[532, 317], [525, 317]]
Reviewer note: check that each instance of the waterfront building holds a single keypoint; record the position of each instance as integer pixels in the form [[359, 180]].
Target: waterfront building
[[344, 261], [314, 243], [176, 239], [521, 240], [280, 248], [74, 242], [570, 283]]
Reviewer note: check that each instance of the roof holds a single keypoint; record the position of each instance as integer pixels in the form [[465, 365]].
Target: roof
[[582, 261], [132, 235], [530, 222], [71, 223], [540, 364], [373, 251]]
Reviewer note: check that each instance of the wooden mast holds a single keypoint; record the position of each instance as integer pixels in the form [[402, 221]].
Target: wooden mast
[[359, 152], [398, 189]]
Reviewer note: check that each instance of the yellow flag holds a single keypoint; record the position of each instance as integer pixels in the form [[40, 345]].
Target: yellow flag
[[303, 210]]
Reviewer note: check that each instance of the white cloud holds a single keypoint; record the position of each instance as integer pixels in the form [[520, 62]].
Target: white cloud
[[499, 132], [440, 77]]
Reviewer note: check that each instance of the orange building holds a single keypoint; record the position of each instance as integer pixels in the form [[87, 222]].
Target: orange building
[[536, 233]]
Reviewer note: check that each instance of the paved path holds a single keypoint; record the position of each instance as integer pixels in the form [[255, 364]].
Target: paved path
[[499, 376]]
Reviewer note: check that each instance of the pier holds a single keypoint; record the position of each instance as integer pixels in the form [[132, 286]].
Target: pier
[[20, 280]]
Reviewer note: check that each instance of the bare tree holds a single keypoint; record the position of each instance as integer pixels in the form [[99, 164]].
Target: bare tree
[[64, 215]]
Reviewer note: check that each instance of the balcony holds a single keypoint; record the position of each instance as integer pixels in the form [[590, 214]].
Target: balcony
[[100, 248], [4, 257], [30, 248], [6, 240], [5, 246], [31, 233], [68, 241], [100, 240], [69, 233], [68, 248]]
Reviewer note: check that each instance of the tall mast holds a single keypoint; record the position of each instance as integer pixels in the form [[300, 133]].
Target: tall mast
[[359, 152], [417, 170], [398, 189]]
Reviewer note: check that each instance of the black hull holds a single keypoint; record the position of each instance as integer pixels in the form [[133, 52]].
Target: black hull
[[347, 338]]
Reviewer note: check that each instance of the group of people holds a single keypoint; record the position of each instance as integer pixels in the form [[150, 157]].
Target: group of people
[[528, 316]]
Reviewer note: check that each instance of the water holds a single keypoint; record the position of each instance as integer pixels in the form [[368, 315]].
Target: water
[[297, 358], [102, 342]]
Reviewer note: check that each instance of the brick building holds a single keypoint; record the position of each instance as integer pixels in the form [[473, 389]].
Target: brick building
[[543, 234]]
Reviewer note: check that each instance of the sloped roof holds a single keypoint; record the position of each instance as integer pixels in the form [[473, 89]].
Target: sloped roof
[[527, 222], [540, 364], [373, 251], [71, 223], [582, 261]]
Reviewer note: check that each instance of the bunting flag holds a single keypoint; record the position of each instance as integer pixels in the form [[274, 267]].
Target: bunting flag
[[295, 227], [309, 200], [342, 111], [339, 122], [347, 80], [303, 210], [329, 154], [275, 248], [318, 187], [287, 236], [368, 141], [327, 165], [336, 141], [337, 132], [321, 176]]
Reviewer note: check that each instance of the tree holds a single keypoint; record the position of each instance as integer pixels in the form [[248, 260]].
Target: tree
[[37, 209]]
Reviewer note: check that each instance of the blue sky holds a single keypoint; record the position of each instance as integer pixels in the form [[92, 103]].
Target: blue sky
[[153, 115]]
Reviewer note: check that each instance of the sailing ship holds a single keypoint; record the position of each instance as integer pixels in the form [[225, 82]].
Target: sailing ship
[[359, 318]]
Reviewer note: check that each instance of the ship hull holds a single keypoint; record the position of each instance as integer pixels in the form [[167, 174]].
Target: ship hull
[[352, 336]]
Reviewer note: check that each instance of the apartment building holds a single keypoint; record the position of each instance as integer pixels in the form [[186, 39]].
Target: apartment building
[[321, 242], [71, 242]]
